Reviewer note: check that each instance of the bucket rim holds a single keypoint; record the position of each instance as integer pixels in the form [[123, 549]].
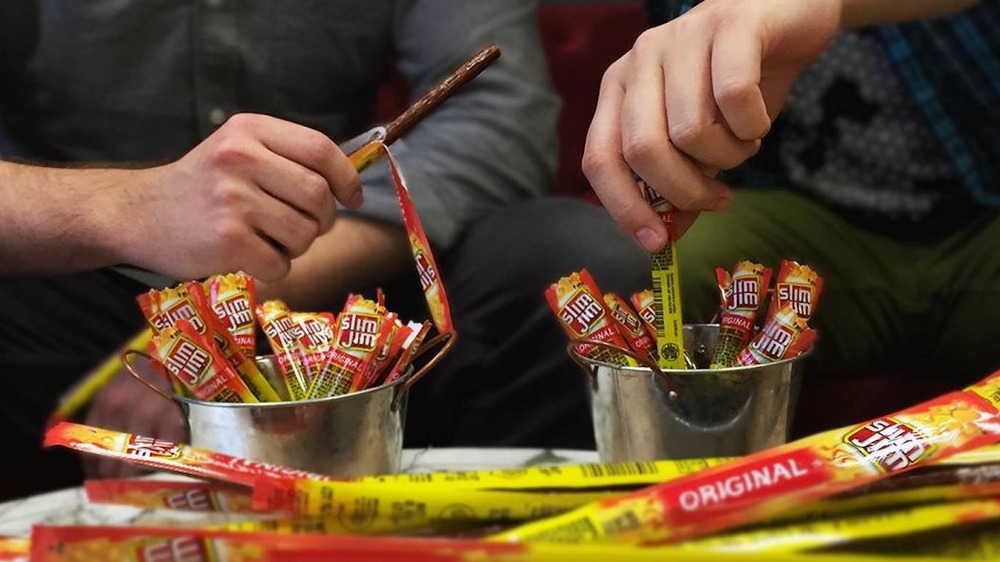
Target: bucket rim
[[691, 372], [294, 403]]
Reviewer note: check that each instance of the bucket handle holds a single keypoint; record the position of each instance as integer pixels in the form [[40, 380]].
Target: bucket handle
[[126, 358], [575, 356], [449, 339]]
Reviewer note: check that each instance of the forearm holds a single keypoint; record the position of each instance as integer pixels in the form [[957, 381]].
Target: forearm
[[861, 13], [355, 253], [55, 220]]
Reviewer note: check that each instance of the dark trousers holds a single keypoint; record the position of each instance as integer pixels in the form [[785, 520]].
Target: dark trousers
[[508, 381]]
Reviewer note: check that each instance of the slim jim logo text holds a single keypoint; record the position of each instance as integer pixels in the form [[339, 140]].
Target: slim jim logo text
[[188, 361], [283, 331], [316, 332], [799, 296], [630, 322], [358, 331], [181, 310], [236, 311], [648, 315], [890, 444], [149, 448], [179, 549], [425, 270], [581, 312], [744, 293], [774, 341], [190, 500]]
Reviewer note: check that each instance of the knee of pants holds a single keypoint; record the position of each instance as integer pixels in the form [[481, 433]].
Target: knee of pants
[[525, 247]]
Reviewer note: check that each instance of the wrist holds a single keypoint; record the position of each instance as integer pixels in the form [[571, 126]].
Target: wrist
[[121, 214]]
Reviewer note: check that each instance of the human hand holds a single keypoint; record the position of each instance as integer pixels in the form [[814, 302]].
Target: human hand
[[251, 197], [695, 96], [126, 405]]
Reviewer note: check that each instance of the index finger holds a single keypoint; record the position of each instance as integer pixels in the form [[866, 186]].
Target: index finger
[[609, 174], [315, 151]]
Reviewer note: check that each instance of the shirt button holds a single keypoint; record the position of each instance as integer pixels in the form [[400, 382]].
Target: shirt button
[[217, 116]]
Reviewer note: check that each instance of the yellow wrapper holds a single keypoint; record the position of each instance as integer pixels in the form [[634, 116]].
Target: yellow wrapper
[[369, 508], [799, 537], [966, 542], [666, 289], [558, 478], [765, 484], [398, 503], [982, 455]]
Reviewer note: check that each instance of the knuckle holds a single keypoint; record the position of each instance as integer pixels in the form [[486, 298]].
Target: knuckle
[[640, 148], [231, 152], [240, 121], [686, 132], [734, 91], [230, 234], [611, 74], [317, 147], [593, 164], [647, 42], [315, 191], [227, 195], [687, 200]]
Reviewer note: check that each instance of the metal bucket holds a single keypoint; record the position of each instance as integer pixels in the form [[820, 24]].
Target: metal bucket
[[644, 413], [355, 434]]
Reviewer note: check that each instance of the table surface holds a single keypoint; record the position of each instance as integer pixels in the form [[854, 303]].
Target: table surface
[[70, 507]]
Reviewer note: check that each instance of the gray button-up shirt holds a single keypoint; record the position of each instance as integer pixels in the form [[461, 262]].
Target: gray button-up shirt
[[143, 81]]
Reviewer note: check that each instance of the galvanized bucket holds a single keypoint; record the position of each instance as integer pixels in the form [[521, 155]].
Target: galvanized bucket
[[645, 413], [355, 434]]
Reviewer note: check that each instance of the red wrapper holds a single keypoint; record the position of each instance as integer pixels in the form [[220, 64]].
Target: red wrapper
[[170, 494], [233, 297], [631, 326], [579, 306], [164, 455], [798, 286], [784, 336], [193, 360], [742, 294]]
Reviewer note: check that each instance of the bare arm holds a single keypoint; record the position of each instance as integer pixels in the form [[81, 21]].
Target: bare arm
[[60, 220], [252, 196], [860, 13]]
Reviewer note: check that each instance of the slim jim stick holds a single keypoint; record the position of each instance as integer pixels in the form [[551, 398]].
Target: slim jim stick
[[669, 326], [369, 153]]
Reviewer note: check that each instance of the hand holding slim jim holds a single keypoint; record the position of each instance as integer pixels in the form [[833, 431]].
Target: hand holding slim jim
[[695, 96], [251, 197]]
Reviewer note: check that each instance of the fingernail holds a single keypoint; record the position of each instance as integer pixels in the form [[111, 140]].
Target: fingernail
[[649, 238], [720, 204]]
